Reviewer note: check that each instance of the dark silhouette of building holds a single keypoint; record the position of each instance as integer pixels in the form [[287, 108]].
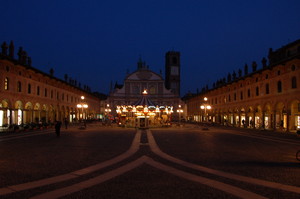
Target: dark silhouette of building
[[172, 76]]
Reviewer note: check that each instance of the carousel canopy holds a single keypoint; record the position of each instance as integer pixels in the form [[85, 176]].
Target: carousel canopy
[[144, 101]]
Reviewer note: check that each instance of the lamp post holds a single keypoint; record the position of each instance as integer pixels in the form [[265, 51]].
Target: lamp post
[[82, 105], [107, 110], [179, 111], [205, 107]]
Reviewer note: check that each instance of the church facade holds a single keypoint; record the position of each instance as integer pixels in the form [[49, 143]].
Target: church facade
[[145, 79]]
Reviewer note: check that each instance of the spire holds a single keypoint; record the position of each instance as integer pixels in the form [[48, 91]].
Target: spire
[[4, 48], [141, 64], [11, 50]]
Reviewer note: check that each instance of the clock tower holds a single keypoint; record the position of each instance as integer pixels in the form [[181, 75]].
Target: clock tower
[[172, 71]]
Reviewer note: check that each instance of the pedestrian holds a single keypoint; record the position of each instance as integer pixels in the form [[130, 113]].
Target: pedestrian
[[57, 128], [243, 122]]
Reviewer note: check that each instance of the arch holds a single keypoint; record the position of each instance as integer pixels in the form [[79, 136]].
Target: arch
[[28, 105], [28, 113], [267, 115], [295, 115], [4, 103], [37, 106], [280, 116], [250, 117], [51, 114], [4, 113], [18, 105], [17, 113], [44, 113], [258, 118]]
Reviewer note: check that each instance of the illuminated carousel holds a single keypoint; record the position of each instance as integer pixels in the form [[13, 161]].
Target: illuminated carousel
[[144, 114]]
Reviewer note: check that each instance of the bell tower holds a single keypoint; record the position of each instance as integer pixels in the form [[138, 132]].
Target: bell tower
[[172, 71]]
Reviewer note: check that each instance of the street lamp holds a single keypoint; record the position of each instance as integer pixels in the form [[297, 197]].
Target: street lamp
[[205, 106], [108, 110], [179, 111], [82, 105]]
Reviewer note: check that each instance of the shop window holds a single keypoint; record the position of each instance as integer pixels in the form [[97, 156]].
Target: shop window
[[294, 82], [267, 89], [6, 84], [279, 87]]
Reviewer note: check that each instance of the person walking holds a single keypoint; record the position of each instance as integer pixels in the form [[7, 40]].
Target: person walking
[[57, 128]]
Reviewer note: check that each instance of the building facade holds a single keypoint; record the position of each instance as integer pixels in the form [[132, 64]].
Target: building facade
[[145, 79], [28, 95], [268, 98]]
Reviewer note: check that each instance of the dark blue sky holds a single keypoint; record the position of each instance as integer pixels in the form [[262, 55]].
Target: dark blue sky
[[97, 42]]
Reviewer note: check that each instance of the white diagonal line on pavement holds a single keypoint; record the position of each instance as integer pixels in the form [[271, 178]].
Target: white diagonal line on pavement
[[38, 183], [256, 181]]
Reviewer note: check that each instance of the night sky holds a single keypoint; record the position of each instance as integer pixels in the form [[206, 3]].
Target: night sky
[[97, 42]]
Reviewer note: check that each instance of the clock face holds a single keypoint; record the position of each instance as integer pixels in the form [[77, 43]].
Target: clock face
[[174, 70]]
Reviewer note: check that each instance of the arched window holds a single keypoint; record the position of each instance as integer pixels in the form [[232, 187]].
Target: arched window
[[29, 88], [38, 90], [6, 84], [257, 91], [19, 86], [267, 89], [294, 82], [279, 87]]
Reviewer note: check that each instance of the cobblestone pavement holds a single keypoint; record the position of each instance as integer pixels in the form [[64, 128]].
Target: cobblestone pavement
[[181, 162]]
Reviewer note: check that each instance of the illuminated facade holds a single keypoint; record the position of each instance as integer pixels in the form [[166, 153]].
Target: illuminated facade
[[145, 79], [268, 98], [28, 95]]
